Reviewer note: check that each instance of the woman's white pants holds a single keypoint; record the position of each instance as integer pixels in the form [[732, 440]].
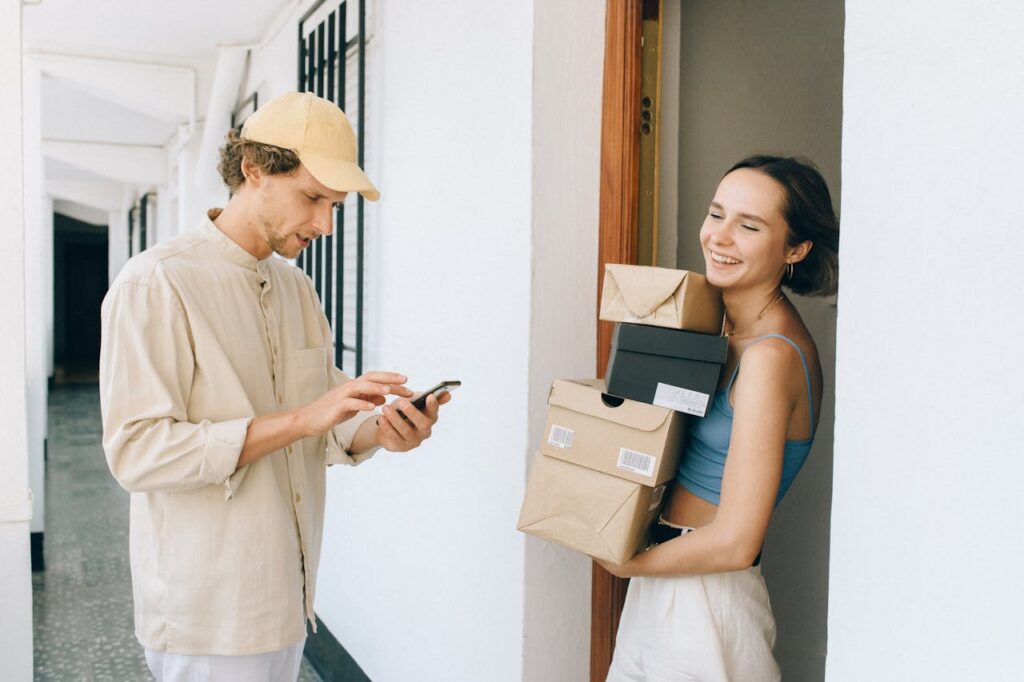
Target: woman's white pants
[[713, 628]]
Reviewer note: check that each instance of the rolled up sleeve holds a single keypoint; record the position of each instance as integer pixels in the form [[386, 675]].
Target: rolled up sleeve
[[146, 371]]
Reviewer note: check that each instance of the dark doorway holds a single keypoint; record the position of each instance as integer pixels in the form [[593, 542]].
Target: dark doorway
[[80, 283]]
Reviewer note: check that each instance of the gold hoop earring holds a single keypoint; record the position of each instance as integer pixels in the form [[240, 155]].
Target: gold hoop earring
[[789, 271]]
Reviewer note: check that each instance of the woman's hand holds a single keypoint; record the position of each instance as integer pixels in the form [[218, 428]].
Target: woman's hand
[[399, 433]]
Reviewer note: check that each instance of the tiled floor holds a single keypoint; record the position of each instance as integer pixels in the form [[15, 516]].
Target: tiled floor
[[83, 601]]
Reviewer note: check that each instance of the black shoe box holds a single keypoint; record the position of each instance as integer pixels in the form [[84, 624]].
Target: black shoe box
[[666, 367]]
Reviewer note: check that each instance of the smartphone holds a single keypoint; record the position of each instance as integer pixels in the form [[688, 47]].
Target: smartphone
[[420, 401]]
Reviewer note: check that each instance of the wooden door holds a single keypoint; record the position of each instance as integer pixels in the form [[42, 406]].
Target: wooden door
[[618, 243]]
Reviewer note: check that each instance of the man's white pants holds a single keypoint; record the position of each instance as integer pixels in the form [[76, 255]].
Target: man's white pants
[[712, 628], [274, 666]]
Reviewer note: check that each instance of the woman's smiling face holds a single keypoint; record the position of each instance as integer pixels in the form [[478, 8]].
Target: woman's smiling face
[[745, 235]]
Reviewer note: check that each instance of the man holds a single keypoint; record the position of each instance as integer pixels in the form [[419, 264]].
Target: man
[[222, 406]]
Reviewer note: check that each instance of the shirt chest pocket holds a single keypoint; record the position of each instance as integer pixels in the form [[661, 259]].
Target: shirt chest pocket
[[310, 373]]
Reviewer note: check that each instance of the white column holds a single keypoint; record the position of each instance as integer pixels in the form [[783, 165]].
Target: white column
[[35, 304], [46, 235], [209, 188], [117, 242], [567, 72], [15, 497]]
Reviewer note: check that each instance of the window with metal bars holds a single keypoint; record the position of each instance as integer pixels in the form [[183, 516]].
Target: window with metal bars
[[332, 64], [145, 213], [133, 213]]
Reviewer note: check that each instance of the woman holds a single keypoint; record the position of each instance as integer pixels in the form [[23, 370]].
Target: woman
[[697, 608]]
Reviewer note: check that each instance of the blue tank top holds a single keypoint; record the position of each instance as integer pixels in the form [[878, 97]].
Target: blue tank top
[[703, 460]]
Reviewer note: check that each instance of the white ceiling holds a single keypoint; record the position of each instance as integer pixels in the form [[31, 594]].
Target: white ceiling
[[65, 172], [69, 113], [182, 29], [185, 32]]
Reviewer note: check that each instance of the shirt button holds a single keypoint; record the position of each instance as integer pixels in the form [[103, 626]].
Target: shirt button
[[280, 398], [298, 498]]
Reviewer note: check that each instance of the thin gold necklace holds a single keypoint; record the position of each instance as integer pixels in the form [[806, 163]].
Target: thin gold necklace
[[760, 316]]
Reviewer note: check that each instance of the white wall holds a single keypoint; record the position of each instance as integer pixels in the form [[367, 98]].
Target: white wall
[[567, 82], [926, 539], [15, 498], [431, 535]]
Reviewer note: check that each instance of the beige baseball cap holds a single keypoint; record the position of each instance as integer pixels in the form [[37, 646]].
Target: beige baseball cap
[[319, 133]]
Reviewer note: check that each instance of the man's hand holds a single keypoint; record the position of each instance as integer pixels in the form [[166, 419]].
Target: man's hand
[[344, 402], [401, 434]]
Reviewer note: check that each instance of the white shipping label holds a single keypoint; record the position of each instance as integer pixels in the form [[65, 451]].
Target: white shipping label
[[681, 399], [637, 462], [561, 437], [656, 497]]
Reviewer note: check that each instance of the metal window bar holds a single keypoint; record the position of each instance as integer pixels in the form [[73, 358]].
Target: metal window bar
[[321, 69], [143, 221], [131, 230]]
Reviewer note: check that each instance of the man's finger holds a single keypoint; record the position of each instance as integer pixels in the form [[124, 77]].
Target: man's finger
[[356, 405], [360, 387], [385, 426], [434, 403], [384, 377], [397, 422], [421, 421]]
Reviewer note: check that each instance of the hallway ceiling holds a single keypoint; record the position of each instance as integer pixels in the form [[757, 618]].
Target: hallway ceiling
[[147, 32], [69, 113], [184, 29]]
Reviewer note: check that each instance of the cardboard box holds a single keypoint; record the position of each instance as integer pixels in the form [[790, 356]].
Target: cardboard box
[[624, 438], [677, 299], [670, 368], [599, 479], [596, 513]]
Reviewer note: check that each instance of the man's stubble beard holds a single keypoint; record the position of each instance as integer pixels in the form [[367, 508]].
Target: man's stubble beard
[[278, 244]]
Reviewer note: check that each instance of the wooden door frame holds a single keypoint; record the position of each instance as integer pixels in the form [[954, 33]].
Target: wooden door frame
[[619, 201]]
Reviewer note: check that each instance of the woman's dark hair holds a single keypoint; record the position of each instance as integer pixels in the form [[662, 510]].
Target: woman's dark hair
[[810, 217], [270, 159]]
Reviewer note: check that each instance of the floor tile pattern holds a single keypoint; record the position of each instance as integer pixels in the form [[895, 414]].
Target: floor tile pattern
[[82, 602]]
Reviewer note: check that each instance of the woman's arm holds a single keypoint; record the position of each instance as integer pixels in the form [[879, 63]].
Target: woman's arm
[[764, 397]]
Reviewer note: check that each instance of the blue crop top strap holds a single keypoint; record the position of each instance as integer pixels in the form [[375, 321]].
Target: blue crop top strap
[[703, 460], [803, 360]]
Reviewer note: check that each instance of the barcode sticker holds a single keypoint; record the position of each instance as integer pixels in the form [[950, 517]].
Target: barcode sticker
[[681, 399], [656, 497], [637, 462], [561, 437]]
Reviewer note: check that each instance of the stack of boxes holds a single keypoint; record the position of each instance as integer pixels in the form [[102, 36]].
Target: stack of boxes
[[610, 450]]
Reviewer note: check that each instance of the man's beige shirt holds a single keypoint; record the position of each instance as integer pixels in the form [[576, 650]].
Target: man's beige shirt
[[199, 337]]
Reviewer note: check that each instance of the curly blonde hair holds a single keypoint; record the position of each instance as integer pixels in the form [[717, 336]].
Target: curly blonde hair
[[270, 159]]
